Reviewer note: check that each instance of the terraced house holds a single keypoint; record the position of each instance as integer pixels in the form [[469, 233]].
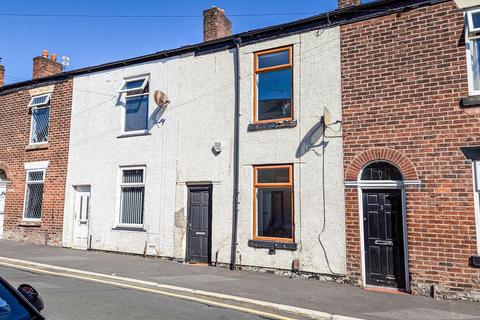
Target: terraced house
[[342, 146], [228, 169], [411, 124], [34, 129]]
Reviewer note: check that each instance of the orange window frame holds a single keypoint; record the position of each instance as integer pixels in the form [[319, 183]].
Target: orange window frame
[[257, 185], [258, 70]]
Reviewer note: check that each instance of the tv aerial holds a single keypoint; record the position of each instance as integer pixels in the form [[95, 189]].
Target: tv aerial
[[65, 61]]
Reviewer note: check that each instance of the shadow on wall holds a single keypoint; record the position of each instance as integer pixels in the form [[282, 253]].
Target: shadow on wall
[[312, 140]]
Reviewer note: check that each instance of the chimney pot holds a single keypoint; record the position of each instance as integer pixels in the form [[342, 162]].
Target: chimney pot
[[53, 57], [45, 53], [342, 4], [215, 24]]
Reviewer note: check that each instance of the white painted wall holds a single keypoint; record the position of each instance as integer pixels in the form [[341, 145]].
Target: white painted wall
[[316, 85], [178, 153], [96, 153]]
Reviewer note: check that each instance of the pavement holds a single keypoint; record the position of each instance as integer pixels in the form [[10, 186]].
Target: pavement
[[328, 297]]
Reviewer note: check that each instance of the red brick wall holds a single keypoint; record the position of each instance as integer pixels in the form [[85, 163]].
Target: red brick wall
[[14, 138], [402, 79], [215, 24], [43, 67]]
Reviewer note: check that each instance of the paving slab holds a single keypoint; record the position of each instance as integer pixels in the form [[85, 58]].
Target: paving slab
[[318, 295]]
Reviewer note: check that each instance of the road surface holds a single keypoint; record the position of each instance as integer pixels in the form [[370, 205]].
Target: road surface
[[67, 299]]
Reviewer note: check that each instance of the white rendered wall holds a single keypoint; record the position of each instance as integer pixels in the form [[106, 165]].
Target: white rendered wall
[[178, 153]]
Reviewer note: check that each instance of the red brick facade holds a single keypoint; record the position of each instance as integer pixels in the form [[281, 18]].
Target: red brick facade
[[403, 76], [15, 119]]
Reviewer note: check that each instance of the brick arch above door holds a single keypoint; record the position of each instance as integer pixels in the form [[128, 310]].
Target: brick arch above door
[[378, 154]]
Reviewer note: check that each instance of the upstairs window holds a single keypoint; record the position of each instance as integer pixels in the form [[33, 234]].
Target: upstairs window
[[40, 120], [136, 105], [472, 46], [34, 194], [273, 85], [273, 204]]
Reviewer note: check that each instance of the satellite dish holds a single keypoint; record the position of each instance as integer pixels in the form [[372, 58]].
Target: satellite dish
[[327, 117], [161, 98]]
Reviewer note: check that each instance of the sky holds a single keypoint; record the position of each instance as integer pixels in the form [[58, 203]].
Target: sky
[[92, 40]]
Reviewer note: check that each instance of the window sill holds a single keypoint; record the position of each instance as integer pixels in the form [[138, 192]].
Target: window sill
[[272, 125], [275, 245], [139, 229], [27, 223], [470, 102], [136, 134], [41, 146]]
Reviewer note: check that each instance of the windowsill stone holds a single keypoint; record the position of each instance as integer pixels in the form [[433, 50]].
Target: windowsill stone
[[272, 125], [139, 229], [26, 223], [277, 245], [137, 134], [470, 102], [41, 146]]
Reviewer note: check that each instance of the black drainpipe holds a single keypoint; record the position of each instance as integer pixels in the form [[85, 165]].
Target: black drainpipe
[[236, 132]]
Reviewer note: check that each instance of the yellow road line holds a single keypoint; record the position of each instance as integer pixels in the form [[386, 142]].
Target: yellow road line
[[156, 291]]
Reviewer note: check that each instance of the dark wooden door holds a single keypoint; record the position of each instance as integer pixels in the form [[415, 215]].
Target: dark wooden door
[[199, 221], [383, 233]]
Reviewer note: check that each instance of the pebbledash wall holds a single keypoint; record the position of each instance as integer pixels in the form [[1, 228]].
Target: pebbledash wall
[[403, 77], [17, 154], [177, 153]]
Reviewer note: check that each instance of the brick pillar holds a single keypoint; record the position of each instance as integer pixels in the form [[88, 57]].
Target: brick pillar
[[2, 75], [348, 3], [215, 24], [44, 66]]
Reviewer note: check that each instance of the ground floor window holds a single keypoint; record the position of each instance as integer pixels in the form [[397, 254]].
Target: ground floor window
[[34, 194], [476, 185], [132, 195], [273, 202]]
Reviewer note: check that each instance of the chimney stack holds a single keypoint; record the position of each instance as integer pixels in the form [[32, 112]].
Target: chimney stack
[[342, 4], [215, 24], [2, 75], [44, 67]]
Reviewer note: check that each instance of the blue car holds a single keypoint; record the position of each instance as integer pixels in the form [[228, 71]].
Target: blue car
[[24, 303]]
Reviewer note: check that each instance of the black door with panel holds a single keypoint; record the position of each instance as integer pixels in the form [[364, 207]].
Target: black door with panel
[[383, 232], [199, 221]]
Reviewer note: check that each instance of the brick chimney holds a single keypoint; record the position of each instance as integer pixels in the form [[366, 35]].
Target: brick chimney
[[2, 75], [44, 66], [342, 4], [215, 24]]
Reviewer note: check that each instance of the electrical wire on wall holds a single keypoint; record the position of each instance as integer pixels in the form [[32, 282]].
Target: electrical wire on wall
[[324, 205]]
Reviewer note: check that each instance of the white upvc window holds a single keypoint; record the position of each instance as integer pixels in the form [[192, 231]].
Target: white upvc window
[[135, 116], [132, 196], [476, 191], [32, 209], [472, 45], [40, 119]]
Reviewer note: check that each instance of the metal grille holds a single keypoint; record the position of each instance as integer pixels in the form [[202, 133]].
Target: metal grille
[[35, 176], [132, 196], [40, 124], [33, 201], [40, 100]]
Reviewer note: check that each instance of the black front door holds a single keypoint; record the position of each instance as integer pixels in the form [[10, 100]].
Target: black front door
[[199, 220], [383, 232]]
